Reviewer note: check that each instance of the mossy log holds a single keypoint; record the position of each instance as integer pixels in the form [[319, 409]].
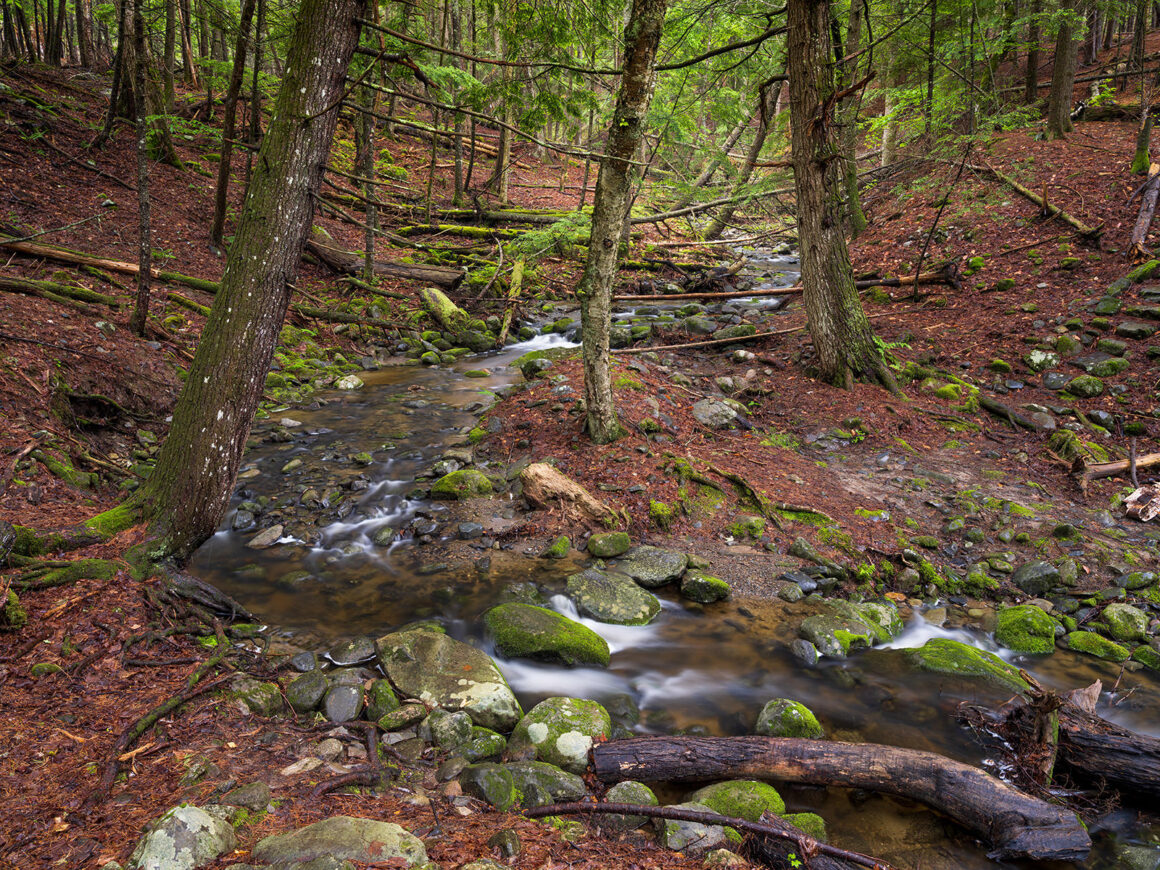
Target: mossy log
[[79, 258], [1015, 824], [470, 232], [351, 263], [1149, 192], [1047, 208], [185, 302], [55, 291], [330, 316]]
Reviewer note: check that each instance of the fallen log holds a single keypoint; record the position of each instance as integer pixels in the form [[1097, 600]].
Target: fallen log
[[545, 487], [1006, 414], [78, 258], [1148, 195], [55, 291], [1143, 504], [1097, 470], [1015, 824], [1041, 201], [947, 274], [351, 263]]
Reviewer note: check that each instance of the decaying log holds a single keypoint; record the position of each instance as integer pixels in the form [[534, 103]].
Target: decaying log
[[1144, 503], [1007, 414], [1015, 824], [78, 258], [351, 263], [1048, 209], [1148, 195], [1097, 470], [545, 487]]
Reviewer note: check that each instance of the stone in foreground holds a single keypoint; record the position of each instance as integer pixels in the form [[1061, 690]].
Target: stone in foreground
[[344, 838]]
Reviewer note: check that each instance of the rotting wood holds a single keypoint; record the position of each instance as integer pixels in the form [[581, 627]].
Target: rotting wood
[[351, 263], [768, 827], [1015, 824], [547, 488], [55, 291], [517, 281], [1097, 470], [79, 258], [1007, 415], [1148, 195], [1049, 209], [1144, 503]]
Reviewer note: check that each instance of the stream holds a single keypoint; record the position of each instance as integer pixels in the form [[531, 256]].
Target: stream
[[372, 557]]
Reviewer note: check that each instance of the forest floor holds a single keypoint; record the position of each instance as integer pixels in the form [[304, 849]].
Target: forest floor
[[75, 382]]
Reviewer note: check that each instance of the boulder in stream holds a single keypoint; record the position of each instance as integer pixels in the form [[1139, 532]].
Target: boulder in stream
[[1025, 628], [652, 566], [462, 484], [610, 596], [783, 717], [740, 799], [530, 632], [836, 637], [447, 673], [561, 731], [942, 655]]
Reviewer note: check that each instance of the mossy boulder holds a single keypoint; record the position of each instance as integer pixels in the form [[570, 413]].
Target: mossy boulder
[[704, 588], [491, 783], [1036, 577], [1148, 656], [1125, 622], [261, 698], [1092, 644], [557, 783], [449, 316], [836, 637], [740, 799], [610, 596], [782, 717], [526, 631], [692, 838], [609, 545], [183, 838], [342, 838], [561, 731], [627, 792], [942, 655], [811, 824], [462, 484], [653, 566], [881, 617], [443, 672], [381, 700], [558, 549], [1085, 386], [484, 743], [1026, 629]]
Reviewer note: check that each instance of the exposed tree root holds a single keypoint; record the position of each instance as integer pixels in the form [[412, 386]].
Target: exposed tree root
[[50, 574]]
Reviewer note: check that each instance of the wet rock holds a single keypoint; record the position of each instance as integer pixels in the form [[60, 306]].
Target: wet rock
[[254, 796], [805, 652], [305, 692], [715, 414], [1135, 579], [263, 699], [450, 674], [704, 588], [882, 617], [945, 656], [1036, 577], [350, 382], [1135, 329], [558, 549], [836, 637], [526, 631], [343, 703], [693, 838], [1026, 629], [463, 484], [448, 730], [184, 838], [384, 537], [470, 531], [740, 799], [627, 792], [406, 715], [265, 538], [562, 730], [609, 545], [697, 325], [344, 838], [612, 597], [352, 652], [783, 717], [652, 566], [1054, 380], [1094, 645], [484, 743]]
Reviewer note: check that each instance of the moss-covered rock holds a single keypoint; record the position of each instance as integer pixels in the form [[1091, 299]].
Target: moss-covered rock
[[1092, 644], [609, 545], [1026, 629], [1147, 656], [491, 783], [381, 700], [1125, 622], [610, 596], [704, 588], [782, 717], [13, 617], [627, 792], [262, 698], [836, 637], [443, 672], [558, 549], [305, 692], [526, 631], [462, 484], [558, 784], [740, 799], [1085, 386], [449, 316], [653, 566], [882, 617], [693, 838], [811, 823], [561, 731], [945, 656]]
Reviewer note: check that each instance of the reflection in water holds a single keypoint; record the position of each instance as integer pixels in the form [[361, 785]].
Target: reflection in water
[[706, 669]]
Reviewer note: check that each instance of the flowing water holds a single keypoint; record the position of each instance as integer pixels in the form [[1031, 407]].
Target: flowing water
[[703, 669]]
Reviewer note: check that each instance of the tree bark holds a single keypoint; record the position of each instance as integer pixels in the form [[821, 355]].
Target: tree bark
[[1063, 76], [765, 121], [144, 233], [189, 490], [1015, 824], [642, 35], [1031, 71], [231, 112], [841, 333], [848, 122]]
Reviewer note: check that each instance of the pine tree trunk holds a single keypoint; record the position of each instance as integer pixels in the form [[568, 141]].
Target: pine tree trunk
[[144, 234], [1031, 73], [848, 124], [841, 334], [170, 56], [231, 112], [1063, 77], [642, 34], [189, 490], [741, 181], [84, 34]]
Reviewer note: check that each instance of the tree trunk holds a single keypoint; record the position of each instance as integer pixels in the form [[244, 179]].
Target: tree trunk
[[642, 34], [1031, 73], [1015, 824], [848, 123], [841, 333], [741, 181], [169, 56], [231, 113], [189, 490], [85, 34], [1063, 76], [144, 234]]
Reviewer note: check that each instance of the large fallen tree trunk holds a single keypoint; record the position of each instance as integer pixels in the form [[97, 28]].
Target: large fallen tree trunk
[[351, 263], [1087, 472], [1015, 824], [1148, 194], [1041, 201]]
